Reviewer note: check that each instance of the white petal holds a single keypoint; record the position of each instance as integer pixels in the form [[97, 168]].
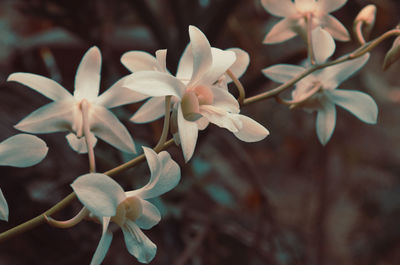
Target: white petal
[[202, 57], [251, 130], [358, 103], [22, 150], [282, 73], [185, 66], [222, 61], [118, 95], [329, 6], [188, 132], [79, 144], [140, 61], [165, 175], [241, 63], [99, 193], [155, 84], [323, 45], [280, 8], [335, 28], [153, 109], [326, 121], [102, 248], [137, 243], [3, 207], [87, 79], [202, 123], [53, 117], [150, 215], [106, 126], [41, 84], [280, 32], [161, 56], [221, 118], [334, 75], [223, 99]]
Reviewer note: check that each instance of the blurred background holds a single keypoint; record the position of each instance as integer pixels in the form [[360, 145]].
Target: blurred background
[[285, 200]]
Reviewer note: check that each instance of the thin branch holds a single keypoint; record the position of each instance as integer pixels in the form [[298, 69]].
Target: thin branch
[[165, 130], [239, 86]]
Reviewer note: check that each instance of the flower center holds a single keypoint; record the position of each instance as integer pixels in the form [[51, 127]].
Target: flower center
[[130, 208], [193, 98]]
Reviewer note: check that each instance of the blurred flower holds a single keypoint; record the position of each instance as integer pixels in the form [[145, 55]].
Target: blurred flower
[[324, 83], [198, 97], [65, 113], [295, 15], [106, 199], [21, 150]]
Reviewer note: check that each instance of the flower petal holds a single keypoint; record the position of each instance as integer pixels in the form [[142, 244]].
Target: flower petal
[[99, 193], [87, 79], [79, 144], [188, 132], [326, 121], [3, 207], [153, 109], [155, 84], [150, 215], [137, 243], [161, 56], [53, 117], [323, 45], [221, 118], [222, 61], [140, 61], [335, 28], [280, 32], [358, 103], [279, 8], [47, 87], [118, 95], [22, 150], [240, 65], [251, 130], [282, 73], [102, 247], [106, 126], [202, 56], [329, 6], [223, 99], [185, 66]]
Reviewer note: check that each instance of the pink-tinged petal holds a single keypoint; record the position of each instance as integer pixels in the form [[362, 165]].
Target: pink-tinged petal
[[335, 28], [334, 75], [202, 123], [155, 84], [282, 73], [102, 247], [3, 207], [106, 126], [87, 79], [326, 121], [47, 87], [279, 8], [99, 193], [280, 32], [22, 150], [150, 215], [118, 95], [323, 45], [202, 56], [223, 99], [79, 144], [150, 111], [185, 66], [161, 56], [188, 132], [240, 65], [222, 61], [137, 243], [165, 175], [140, 61], [358, 103], [329, 6], [221, 118], [53, 117], [251, 130]]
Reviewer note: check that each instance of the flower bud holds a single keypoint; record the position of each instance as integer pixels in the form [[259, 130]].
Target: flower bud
[[392, 55], [367, 16]]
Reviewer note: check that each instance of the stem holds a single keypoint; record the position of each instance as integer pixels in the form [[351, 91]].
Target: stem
[[358, 32], [86, 133], [165, 130], [294, 103], [239, 86], [69, 223]]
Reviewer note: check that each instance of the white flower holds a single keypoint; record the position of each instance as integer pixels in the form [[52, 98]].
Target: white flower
[[65, 114], [327, 80], [294, 18], [21, 150], [106, 199], [198, 97]]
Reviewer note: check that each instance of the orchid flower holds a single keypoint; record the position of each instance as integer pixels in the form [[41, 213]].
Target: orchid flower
[[21, 150], [324, 83], [66, 114], [300, 14], [198, 97], [131, 211]]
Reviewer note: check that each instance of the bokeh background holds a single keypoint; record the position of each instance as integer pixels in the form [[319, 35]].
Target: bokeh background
[[283, 201]]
